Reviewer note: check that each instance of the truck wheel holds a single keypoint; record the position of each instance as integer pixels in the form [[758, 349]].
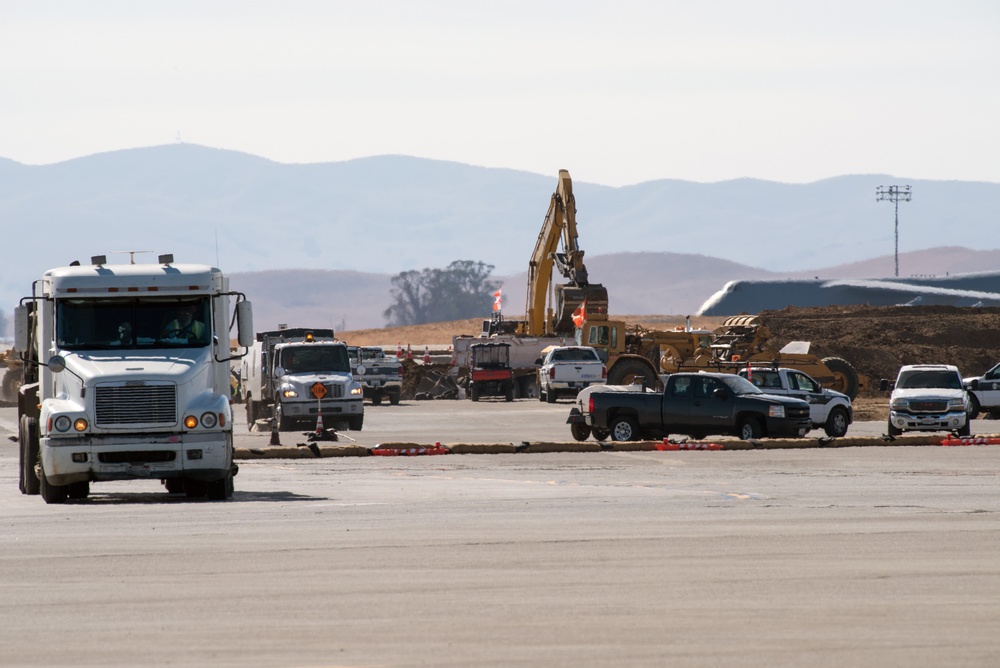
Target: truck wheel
[[845, 378], [976, 407], [194, 489], [892, 431], [284, 423], [580, 431], [600, 434], [28, 440], [356, 423], [377, 399], [836, 422], [221, 489], [749, 428], [509, 391], [624, 428], [251, 413], [541, 394], [394, 399], [52, 493], [550, 396], [965, 429], [474, 392]]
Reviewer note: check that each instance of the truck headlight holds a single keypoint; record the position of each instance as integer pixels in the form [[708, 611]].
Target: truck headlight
[[956, 404], [62, 423], [289, 394], [208, 420], [776, 411], [80, 424], [899, 405], [357, 391]]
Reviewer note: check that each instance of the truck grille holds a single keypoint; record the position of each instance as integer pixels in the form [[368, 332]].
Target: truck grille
[[334, 391], [929, 406], [797, 412], [135, 404]]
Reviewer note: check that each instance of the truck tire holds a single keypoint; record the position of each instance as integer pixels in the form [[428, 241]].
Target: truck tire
[[394, 398], [845, 377], [474, 392], [836, 422], [625, 372], [976, 407], [550, 396], [580, 431], [52, 493], [509, 391], [194, 489], [892, 431], [749, 428], [78, 490], [624, 428], [252, 413], [284, 423], [965, 429], [600, 434], [28, 440], [221, 489], [377, 399], [174, 485], [356, 423]]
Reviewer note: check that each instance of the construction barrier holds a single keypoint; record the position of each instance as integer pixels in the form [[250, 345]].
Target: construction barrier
[[313, 450]]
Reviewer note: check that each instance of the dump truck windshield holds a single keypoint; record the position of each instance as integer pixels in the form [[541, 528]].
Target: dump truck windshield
[[113, 324], [314, 358]]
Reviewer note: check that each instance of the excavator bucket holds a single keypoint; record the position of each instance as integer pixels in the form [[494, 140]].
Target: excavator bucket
[[568, 300]]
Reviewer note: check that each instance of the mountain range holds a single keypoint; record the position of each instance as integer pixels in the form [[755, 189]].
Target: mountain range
[[323, 240]]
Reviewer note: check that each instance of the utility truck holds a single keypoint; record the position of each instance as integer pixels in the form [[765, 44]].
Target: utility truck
[[126, 376], [290, 375]]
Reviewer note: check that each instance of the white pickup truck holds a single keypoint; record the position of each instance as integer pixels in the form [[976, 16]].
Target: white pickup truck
[[984, 392], [928, 397], [568, 369], [829, 410]]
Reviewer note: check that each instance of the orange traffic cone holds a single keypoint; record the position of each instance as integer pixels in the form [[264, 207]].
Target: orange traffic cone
[[409, 352], [399, 350], [427, 355], [319, 423]]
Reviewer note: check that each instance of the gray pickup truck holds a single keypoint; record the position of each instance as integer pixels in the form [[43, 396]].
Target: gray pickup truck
[[696, 404], [380, 375]]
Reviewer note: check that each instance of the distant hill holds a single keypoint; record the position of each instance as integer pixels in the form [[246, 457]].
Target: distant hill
[[386, 214]]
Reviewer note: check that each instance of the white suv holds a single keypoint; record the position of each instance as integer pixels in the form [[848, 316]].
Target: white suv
[[928, 397]]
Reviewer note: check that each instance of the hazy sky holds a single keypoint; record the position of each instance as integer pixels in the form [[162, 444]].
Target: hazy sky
[[618, 92]]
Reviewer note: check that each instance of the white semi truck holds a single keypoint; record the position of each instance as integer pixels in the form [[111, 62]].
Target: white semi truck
[[126, 376], [290, 375]]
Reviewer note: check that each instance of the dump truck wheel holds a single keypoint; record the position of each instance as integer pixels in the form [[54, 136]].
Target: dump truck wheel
[[625, 372], [845, 378], [78, 490], [52, 493], [580, 431], [836, 422]]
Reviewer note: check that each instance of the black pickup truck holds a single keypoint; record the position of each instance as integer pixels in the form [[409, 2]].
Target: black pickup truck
[[696, 404]]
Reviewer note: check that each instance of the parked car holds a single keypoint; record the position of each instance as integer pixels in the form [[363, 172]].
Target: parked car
[[829, 410]]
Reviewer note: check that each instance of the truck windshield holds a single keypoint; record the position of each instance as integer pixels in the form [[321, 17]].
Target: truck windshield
[[115, 324], [929, 378], [315, 358]]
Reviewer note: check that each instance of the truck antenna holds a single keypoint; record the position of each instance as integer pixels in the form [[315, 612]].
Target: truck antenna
[[131, 254]]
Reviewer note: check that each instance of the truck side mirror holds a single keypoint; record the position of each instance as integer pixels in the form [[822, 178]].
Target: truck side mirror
[[720, 393], [538, 362], [244, 323], [974, 385], [883, 385], [21, 343]]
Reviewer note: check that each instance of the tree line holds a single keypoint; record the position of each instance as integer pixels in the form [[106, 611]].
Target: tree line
[[461, 290]]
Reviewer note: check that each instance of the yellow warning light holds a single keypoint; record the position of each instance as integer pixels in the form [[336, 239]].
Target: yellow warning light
[[309, 337]]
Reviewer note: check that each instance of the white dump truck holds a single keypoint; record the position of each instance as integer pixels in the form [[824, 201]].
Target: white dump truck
[[126, 376], [290, 375]]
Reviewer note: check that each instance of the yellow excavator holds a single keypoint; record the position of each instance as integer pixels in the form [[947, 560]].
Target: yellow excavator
[[578, 309]]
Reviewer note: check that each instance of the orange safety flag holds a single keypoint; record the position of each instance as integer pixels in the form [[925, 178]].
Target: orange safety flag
[[580, 315], [497, 300]]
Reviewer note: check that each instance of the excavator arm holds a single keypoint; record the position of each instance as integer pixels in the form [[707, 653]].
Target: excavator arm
[[559, 225]]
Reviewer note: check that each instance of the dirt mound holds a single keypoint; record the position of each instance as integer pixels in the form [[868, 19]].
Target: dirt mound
[[877, 340]]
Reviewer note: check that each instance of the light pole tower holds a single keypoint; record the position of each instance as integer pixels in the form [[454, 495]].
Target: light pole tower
[[894, 194]]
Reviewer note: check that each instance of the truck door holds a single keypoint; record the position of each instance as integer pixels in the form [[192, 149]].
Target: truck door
[[989, 388], [804, 387], [675, 408], [707, 409]]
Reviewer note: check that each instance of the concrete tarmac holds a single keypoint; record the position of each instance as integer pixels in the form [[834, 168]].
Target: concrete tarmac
[[820, 557]]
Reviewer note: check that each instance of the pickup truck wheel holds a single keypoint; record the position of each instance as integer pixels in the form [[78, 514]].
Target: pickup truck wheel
[[976, 408], [624, 429], [966, 429], [601, 434], [550, 396], [376, 399], [836, 422], [749, 429], [845, 378], [581, 432], [892, 431], [394, 398]]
